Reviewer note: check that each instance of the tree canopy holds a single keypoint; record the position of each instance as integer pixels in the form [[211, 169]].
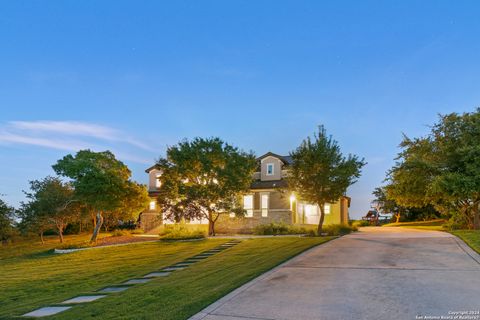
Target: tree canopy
[[102, 183], [203, 179], [320, 173], [6, 221], [442, 169], [51, 205]]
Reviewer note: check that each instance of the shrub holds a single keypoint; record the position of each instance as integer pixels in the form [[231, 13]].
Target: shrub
[[181, 232], [278, 229], [137, 231], [338, 229], [360, 223], [83, 244], [120, 233], [334, 230]]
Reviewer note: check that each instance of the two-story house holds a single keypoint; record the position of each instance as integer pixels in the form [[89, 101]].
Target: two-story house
[[268, 201]]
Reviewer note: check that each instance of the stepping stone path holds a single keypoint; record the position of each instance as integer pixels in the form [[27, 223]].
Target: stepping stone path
[[137, 281], [157, 274], [165, 272], [183, 264], [83, 299], [113, 289], [173, 268], [45, 311]]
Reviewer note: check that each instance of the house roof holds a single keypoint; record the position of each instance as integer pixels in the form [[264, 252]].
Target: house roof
[[285, 159], [155, 166], [258, 184]]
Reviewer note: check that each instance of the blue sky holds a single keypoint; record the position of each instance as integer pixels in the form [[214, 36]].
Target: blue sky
[[136, 76]]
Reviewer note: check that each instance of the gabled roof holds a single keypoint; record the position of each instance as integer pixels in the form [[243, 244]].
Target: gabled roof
[[155, 166], [285, 159]]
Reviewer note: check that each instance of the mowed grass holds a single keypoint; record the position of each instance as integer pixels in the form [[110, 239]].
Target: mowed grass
[[39, 278], [471, 237], [34, 245], [435, 225]]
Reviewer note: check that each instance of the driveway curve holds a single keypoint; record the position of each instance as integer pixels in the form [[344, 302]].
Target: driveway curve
[[377, 273]]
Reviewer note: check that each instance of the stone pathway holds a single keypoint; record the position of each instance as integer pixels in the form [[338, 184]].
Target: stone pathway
[[104, 292]]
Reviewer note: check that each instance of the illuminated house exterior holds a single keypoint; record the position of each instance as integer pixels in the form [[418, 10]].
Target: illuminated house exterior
[[265, 203]]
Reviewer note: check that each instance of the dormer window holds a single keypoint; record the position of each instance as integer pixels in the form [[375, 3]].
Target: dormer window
[[152, 205], [269, 169]]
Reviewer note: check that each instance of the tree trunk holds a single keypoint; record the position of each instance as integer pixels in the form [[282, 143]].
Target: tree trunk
[[476, 216], [60, 234], [94, 220], [60, 227], [322, 217], [397, 216], [96, 230], [41, 237], [211, 225]]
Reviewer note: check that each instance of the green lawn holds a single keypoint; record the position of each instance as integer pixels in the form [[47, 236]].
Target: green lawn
[[33, 246], [470, 237], [35, 278], [425, 225]]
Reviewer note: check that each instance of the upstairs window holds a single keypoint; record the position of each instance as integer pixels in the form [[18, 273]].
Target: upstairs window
[[269, 169], [152, 205], [248, 205], [158, 183]]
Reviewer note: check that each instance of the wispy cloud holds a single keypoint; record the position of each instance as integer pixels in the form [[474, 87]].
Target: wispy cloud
[[42, 142], [73, 136], [75, 128]]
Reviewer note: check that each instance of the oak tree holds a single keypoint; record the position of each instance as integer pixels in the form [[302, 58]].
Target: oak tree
[[103, 183], [320, 173], [203, 179]]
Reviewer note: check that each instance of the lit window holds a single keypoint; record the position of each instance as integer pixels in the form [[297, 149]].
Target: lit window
[[232, 214], [264, 205], [248, 205], [152, 205], [158, 183], [269, 169], [326, 209], [311, 210]]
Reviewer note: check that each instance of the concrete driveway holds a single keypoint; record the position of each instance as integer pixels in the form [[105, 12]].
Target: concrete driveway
[[377, 273]]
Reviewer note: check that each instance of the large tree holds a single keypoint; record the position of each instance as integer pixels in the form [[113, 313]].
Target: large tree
[[203, 179], [31, 221], [51, 203], [103, 183], [132, 203], [384, 204], [320, 173], [6, 221], [442, 169]]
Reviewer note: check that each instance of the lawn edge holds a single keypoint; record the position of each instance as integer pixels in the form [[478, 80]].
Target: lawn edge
[[236, 291], [463, 243]]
